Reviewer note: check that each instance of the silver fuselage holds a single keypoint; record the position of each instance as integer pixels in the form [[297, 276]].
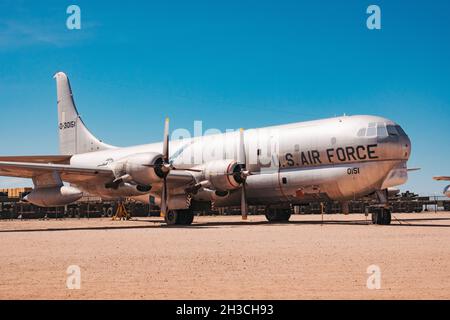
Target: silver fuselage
[[339, 158]]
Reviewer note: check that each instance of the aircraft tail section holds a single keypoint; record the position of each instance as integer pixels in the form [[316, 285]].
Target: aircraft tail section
[[74, 137]]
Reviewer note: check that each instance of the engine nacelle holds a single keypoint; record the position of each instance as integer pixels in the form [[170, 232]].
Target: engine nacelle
[[220, 174], [53, 196], [135, 167]]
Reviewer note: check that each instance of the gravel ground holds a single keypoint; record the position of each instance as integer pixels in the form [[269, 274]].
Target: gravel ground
[[226, 258]]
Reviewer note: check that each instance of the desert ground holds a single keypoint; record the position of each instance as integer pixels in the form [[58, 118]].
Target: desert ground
[[222, 257]]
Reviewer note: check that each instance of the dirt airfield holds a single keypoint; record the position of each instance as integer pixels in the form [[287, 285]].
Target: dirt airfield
[[223, 257]]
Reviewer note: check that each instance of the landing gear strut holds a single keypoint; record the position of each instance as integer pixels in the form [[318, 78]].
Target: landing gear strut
[[278, 214], [179, 217], [381, 216]]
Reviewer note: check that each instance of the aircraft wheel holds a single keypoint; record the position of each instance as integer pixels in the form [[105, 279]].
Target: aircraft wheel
[[277, 215], [284, 216], [189, 218], [386, 217], [171, 217], [179, 217], [377, 216], [381, 216], [185, 217], [271, 215], [374, 217]]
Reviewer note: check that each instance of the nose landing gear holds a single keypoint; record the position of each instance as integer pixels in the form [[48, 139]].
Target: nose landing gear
[[381, 213], [381, 216]]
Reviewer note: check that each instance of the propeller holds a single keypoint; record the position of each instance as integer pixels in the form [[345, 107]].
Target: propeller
[[166, 166], [243, 174]]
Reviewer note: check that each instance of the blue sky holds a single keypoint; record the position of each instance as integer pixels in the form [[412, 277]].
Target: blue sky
[[230, 64]]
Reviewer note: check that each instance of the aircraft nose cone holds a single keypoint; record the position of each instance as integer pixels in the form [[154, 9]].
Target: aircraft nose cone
[[406, 146]]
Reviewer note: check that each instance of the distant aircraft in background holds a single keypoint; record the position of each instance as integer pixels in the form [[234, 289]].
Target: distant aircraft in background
[[447, 188], [341, 158]]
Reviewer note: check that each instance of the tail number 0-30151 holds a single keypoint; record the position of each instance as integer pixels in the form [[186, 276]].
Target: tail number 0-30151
[[353, 171]]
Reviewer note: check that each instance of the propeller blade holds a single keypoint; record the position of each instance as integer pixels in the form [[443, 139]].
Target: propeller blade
[[166, 141], [241, 156], [164, 208], [244, 206], [191, 170], [245, 172]]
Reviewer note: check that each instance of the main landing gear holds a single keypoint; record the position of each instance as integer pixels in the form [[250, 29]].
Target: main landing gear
[[278, 214], [381, 215], [179, 217]]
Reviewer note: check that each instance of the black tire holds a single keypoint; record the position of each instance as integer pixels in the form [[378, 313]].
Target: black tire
[[377, 216], [189, 218], [381, 216], [185, 217], [284, 216], [171, 217], [179, 217], [278, 215], [386, 220], [374, 217], [271, 216]]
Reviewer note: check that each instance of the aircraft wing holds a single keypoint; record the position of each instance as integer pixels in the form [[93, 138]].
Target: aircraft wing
[[38, 159], [445, 178], [43, 173], [69, 173]]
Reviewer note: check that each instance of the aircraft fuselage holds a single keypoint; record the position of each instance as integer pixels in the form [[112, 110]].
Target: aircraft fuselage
[[339, 158]]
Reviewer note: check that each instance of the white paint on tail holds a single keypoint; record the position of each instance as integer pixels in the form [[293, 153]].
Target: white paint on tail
[[74, 137]]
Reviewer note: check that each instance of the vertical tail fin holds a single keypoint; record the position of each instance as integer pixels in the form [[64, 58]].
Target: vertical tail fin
[[74, 137]]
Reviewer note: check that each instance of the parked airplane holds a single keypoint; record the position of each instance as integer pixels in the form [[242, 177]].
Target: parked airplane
[[447, 188], [340, 158]]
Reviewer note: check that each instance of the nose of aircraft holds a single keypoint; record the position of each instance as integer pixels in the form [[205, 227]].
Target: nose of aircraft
[[405, 143], [393, 138]]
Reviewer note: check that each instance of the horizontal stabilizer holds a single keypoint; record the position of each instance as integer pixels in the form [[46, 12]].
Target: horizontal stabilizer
[[443, 178]]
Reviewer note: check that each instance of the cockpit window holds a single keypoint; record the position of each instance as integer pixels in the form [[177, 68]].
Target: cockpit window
[[400, 130], [381, 130], [361, 132], [371, 131], [391, 130]]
